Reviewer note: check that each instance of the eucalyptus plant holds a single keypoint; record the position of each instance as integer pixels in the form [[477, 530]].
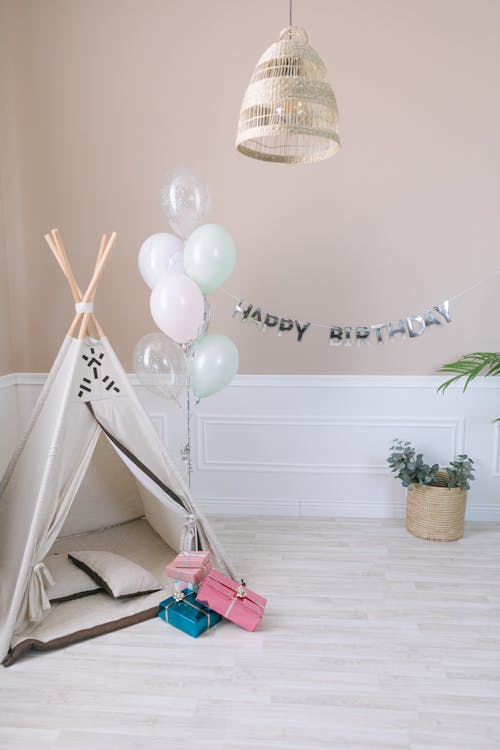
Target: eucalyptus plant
[[409, 466], [460, 472]]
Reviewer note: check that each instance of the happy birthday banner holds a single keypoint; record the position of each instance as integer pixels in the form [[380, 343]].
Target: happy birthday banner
[[411, 325]]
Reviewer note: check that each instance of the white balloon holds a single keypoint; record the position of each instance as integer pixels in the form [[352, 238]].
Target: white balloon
[[176, 263], [156, 255], [177, 306]]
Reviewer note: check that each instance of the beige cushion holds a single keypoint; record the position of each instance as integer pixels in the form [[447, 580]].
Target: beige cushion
[[69, 581], [117, 575]]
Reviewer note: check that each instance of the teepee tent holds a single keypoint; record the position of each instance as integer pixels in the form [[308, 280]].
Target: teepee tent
[[90, 473]]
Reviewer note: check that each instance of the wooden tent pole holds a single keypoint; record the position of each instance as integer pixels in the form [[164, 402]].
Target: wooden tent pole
[[104, 239], [55, 252], [62, 260], [102, 259], [85, 320], [96, 323], [68, 272], [99, 268]]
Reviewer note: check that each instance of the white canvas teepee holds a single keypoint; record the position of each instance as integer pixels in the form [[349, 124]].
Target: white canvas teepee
[[87, 398]]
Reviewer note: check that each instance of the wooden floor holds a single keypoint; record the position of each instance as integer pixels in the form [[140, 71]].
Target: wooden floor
[[372, 640]]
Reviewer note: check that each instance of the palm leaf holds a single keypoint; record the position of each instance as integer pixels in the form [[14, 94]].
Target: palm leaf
[[470, 366]]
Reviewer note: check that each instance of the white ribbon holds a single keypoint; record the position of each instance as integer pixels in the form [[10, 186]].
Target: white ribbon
[[189, 533], [84, 307], [38, 600]]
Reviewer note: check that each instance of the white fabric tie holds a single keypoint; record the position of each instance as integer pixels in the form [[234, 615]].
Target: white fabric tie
[[38, 601], [188, 533], [84, 307]]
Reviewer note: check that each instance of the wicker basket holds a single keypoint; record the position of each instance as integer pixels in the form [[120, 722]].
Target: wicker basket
[[436, 513]]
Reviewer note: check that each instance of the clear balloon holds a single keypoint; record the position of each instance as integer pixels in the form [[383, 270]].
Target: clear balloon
[[185, 197], [160, 365], [209, 256], [214, 364], [177, 306], [157, 254]]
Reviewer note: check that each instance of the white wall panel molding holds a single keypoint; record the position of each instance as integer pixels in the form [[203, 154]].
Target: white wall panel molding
[[317, 445], [160, 424], [431, 382], [496, 450], [8, 381], [244, 433]]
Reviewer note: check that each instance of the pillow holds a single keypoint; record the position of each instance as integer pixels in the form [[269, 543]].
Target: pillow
[[118, 576], [70, 582]]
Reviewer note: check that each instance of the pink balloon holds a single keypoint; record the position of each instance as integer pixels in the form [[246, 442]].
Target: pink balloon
[[177, 306]]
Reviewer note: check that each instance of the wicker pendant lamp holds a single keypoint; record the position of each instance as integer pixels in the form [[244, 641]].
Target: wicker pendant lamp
[[289, 113]]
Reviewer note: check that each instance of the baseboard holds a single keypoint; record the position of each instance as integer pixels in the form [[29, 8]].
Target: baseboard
[[248, 506], [251, 506]]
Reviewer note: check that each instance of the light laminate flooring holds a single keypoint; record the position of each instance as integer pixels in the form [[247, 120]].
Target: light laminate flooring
[[372, 640]]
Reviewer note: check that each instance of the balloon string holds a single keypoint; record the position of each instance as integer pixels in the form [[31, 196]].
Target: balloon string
[[475, 286], [188, 445], [328, 325]]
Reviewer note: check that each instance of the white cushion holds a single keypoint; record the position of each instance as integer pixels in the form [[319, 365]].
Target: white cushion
[[116, 574], [70, 581]]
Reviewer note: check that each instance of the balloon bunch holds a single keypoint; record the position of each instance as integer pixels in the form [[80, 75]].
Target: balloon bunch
[[180, 274]]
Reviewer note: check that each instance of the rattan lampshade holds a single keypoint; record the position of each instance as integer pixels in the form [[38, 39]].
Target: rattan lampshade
[[289, 113]]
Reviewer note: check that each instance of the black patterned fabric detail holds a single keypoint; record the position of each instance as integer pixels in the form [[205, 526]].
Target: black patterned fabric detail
[[94, 362]]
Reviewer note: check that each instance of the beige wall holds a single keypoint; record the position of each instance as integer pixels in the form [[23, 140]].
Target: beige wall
[[6, 351], [107, 95]]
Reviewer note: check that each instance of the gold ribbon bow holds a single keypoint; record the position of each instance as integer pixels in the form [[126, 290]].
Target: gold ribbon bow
[[241, 593]]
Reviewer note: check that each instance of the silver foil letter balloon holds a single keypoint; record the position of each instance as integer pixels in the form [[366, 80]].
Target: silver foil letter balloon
[[392, 330], [271, 320], [415, 325], [286, 324], [378, 331], [362, 334], [336, 335], [444, 310], [301, 329]]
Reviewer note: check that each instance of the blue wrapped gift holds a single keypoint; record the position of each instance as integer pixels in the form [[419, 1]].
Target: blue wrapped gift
[[183, 611]]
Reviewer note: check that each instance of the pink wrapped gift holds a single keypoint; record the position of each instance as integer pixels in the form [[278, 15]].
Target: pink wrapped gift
[[232, 600], [193, 559], [178, 571]]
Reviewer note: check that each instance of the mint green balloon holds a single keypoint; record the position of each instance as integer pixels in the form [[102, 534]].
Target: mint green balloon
[[214, 364], [209, 256]]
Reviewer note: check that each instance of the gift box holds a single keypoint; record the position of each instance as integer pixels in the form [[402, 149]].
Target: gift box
[[183, 612], [179, 571], [190, 575], [232, 600], [193, 559], [181, 585]]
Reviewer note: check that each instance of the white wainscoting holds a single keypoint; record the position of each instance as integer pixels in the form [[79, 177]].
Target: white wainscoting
[[8, 418], [311, 445], [318, 445]]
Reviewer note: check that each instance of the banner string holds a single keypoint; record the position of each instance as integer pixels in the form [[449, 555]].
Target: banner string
[[325, 325]]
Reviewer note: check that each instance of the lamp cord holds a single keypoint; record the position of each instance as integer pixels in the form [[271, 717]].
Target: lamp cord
[[290, 24]]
